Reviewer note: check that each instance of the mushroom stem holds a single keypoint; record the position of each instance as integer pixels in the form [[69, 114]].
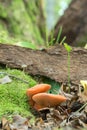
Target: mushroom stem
[[37, 107]]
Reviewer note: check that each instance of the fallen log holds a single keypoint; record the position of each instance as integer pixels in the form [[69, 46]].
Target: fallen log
[[51, 62]]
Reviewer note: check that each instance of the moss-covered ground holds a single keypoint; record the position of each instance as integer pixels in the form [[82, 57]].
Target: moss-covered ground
[[13, 99]]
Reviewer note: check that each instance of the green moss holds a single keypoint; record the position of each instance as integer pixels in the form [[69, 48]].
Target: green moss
[[13, 97], [3, 12], [5, 39], [21, 24]]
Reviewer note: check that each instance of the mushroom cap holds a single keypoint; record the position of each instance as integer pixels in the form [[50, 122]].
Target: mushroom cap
[[39, 88], [48, 100]]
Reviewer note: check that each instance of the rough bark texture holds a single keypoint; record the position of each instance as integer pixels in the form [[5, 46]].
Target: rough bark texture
[[74, 23], [51, 62]]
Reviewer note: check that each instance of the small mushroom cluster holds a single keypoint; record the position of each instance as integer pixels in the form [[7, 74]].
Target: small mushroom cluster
[[39, 98]]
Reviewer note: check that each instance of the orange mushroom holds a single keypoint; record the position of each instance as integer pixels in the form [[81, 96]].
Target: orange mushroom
[[37, 107], [39, 88], [48, 100], [35, 90]]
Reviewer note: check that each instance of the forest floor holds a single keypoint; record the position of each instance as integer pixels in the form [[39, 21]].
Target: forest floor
[[16, 114]]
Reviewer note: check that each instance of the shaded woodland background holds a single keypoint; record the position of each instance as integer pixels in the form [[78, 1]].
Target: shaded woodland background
[[25, 22], [27, 26], [32, 25]]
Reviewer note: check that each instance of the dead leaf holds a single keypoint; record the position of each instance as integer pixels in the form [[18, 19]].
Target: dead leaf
[[5, 80], [19, 123], [82, 124], [83, 95], [5, 124], [84, 83]]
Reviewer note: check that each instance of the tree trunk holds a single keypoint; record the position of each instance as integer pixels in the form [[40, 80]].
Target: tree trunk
[[23, 19], [51, 62], [74, 24]]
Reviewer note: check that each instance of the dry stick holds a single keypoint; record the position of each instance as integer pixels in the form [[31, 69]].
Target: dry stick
[[13, 76], [78, 110], [82, 107]]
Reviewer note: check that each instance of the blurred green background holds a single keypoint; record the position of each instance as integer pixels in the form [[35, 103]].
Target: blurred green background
[[28, 23]]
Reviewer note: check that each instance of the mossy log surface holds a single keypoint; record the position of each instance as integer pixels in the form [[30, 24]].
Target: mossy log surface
[[51, 62], [74, 24]]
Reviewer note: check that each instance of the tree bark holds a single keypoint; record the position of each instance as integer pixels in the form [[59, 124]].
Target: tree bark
[[51, 62], [74, 24]]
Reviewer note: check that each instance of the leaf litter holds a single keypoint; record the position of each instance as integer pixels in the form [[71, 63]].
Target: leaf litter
[[70, 115]]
